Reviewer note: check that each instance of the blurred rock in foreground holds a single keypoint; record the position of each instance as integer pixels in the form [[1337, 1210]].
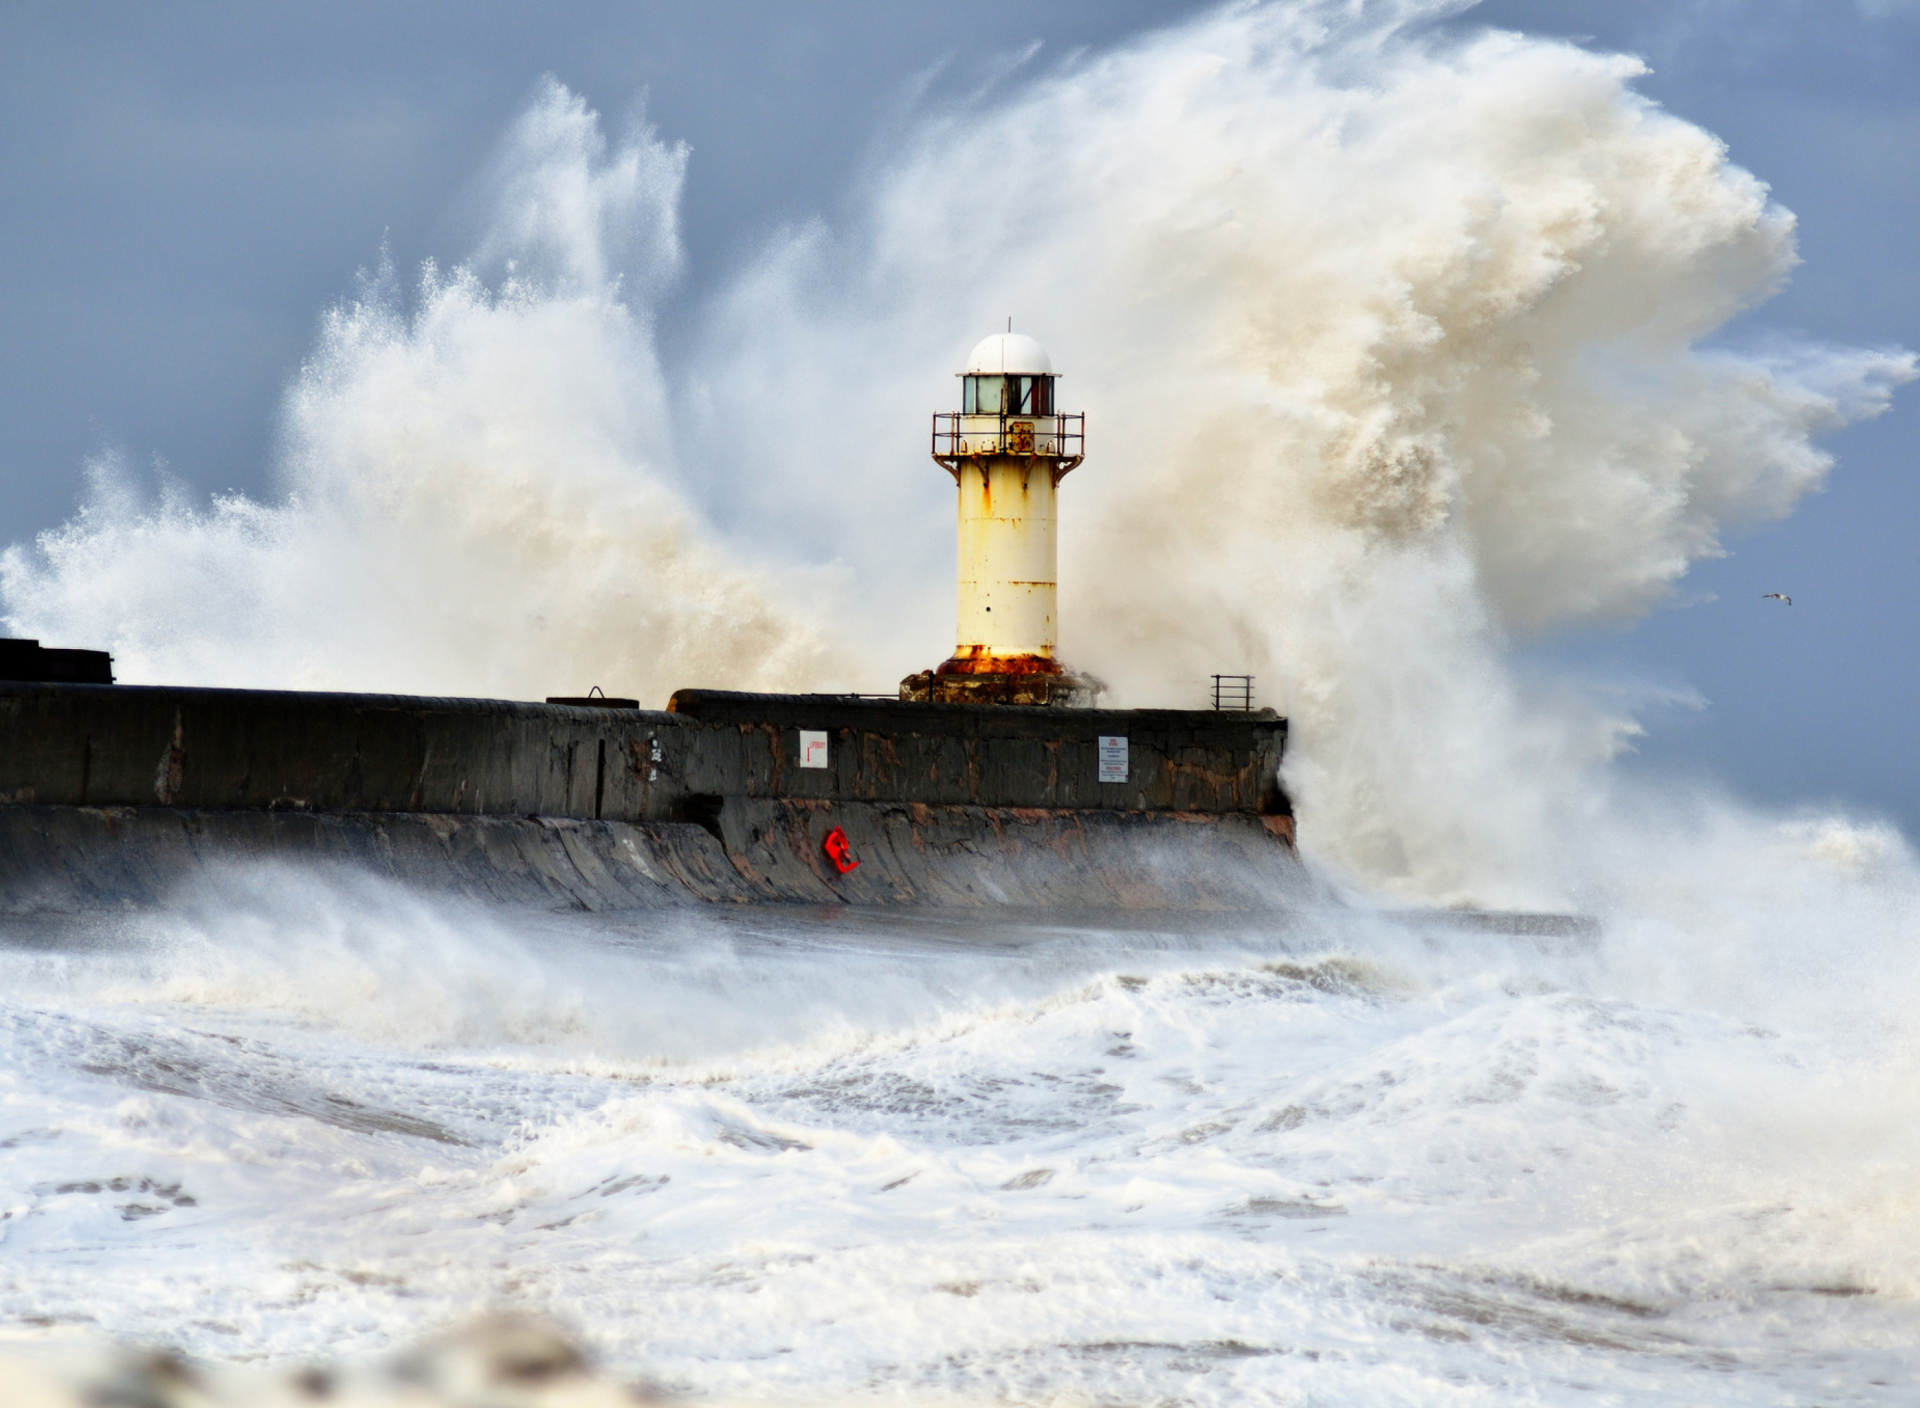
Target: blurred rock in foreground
[[500, 1361]]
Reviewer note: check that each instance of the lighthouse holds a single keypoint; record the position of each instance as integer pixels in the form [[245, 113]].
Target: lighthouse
[[1007, 448]]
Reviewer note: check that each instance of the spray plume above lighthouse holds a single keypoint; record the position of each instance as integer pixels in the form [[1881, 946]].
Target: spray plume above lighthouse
[[1007, 448]]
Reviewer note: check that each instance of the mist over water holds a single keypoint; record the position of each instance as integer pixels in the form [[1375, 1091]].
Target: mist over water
[[1395, 350]]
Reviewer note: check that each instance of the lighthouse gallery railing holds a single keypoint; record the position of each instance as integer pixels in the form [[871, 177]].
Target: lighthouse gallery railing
[[959, 435]]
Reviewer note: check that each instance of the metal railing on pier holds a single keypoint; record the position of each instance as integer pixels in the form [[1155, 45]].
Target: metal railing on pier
[[1233, 692]]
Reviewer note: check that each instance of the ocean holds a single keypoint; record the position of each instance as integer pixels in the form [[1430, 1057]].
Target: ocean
[[1336, 1156]]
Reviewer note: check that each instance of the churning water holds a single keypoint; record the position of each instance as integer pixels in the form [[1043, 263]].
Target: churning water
[[1327, 1159], [1394, 348]]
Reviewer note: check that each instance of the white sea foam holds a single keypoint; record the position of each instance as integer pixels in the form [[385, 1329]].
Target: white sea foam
[[1352, 1162], [1390, 350], [1394, 350]]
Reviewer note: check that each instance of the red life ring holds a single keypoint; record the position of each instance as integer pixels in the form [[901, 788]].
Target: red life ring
[[838, 851]]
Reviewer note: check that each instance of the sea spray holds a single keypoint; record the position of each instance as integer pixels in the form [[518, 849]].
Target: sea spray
[[476, 499], [1394, 346]]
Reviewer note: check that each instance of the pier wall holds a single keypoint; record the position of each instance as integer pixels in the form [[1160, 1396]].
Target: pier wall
[[121, 745], [62, 859], [111, 794]]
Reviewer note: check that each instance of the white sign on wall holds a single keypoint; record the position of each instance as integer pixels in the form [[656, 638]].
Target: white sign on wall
[[1113, 758], [813, 749]]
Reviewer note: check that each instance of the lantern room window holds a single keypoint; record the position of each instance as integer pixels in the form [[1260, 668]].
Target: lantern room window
[[1007, 395]]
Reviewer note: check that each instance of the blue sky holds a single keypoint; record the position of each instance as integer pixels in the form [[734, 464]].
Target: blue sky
[[189, 186]]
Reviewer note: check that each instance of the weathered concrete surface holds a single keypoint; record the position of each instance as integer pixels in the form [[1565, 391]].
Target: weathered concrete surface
[[110, 794], [129, 745], [63, 859], [915, 854], [1181, 760], [122, 745], [67, 859]]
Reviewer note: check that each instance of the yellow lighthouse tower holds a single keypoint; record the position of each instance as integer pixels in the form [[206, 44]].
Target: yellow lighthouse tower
[[1007, 448]]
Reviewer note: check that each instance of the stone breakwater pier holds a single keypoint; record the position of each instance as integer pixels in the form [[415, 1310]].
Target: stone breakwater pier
[[111, 794]]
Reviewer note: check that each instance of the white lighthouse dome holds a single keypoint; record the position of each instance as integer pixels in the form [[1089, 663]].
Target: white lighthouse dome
[[1009, 354]]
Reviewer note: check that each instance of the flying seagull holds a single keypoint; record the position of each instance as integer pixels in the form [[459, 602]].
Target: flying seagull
[[1776, 596]]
